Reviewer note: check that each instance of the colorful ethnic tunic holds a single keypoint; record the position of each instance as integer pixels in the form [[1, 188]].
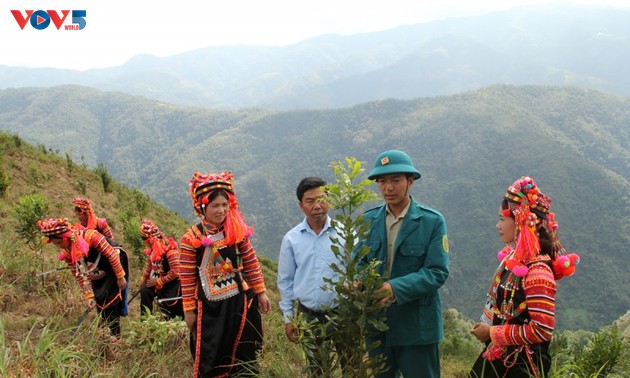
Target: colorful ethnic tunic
[[101, 226], [165, 269], [97, 275], [221, 282], [521, 311]]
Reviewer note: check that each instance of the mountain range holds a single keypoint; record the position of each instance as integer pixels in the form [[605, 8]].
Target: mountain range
[[558, 44], [575, 142]]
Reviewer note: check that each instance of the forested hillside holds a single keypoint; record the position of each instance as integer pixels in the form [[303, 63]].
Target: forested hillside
[[469, 147]]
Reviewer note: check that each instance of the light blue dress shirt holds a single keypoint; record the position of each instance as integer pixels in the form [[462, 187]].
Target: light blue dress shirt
[[304, 261]]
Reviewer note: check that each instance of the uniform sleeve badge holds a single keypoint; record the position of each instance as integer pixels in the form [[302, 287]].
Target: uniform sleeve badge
[[445, 243]]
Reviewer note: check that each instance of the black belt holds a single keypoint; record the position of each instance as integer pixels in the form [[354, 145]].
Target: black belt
[[310, 312]]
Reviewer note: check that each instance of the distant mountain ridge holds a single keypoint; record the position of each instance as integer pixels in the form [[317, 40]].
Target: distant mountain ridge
[[560, 44], [470, 146]]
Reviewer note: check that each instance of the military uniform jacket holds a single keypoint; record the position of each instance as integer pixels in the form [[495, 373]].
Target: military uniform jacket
[[420, 268]]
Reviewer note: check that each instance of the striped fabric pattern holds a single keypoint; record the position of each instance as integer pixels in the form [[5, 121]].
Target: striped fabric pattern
[[172, 255], [97, 241], [540, 291]]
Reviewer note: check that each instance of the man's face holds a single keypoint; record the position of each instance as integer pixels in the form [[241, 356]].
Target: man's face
[[314, 206], [394, 188]]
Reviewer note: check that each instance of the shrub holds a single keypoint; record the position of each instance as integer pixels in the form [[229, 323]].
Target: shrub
[[5, 180], [357, 312], [106, 179], [30, 209], [602, 354]]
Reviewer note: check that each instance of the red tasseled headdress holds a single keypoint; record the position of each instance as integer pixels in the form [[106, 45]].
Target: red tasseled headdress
[[201, 186], [61, 228]]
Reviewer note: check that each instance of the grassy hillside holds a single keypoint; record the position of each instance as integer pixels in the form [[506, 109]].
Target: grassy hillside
[[37, 313]]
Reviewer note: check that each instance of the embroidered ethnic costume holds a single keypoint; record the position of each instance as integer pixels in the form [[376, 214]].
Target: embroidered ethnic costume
[[521, 299], [95, 264], [84, 205], [220, 276], [163, 266]]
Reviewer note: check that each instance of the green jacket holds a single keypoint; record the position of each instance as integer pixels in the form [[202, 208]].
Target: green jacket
[[420, 268]]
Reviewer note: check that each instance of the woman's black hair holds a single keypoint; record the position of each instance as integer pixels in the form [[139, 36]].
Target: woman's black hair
[[216, 193]]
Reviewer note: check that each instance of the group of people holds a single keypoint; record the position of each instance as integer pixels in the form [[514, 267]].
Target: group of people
[[213, 279], [99, 264], [411, 242]]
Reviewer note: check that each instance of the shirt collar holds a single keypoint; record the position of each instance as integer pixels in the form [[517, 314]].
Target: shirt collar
[[305, 226], [402, 213]]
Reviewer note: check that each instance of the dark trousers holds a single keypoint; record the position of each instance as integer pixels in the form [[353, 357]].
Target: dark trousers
[[318, 316], [412, 361], [110, 316]]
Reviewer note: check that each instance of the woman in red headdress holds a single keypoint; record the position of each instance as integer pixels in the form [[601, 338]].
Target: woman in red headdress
[[100, 269], [88, 219], [519, 316], [222, 283], [160, 278]]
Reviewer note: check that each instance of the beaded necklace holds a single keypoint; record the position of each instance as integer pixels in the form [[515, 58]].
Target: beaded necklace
[[510, 286], [226, 267]]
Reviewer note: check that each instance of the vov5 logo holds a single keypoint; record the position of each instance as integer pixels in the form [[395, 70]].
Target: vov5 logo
[[41, 19]]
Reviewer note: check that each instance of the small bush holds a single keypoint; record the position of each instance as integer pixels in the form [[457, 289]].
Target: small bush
[[106, 179], [5, 181], [69, 162]]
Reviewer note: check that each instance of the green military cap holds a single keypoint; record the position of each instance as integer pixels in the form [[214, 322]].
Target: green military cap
[[393, 161]]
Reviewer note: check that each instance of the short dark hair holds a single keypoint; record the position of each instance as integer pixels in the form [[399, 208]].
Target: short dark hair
[[307, 184]]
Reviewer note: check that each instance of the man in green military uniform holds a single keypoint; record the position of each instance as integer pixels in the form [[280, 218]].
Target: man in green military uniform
[[411, 241]]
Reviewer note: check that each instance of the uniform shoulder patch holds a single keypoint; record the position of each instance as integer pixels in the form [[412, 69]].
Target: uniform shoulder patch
[[445, 243]]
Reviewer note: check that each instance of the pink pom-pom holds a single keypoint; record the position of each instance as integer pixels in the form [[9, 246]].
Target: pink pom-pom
[[564, 261], [501, 255], [61, 256], [206, 241], [520, 270]]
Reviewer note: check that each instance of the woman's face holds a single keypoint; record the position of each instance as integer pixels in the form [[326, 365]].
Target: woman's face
[[216, 210], [63, 243], [82, 215], [506, 227]]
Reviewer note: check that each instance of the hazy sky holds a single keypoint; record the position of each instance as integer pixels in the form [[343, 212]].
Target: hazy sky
[[117, 30]]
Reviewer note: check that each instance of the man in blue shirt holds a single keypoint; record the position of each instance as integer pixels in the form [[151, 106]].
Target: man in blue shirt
[[305, 259]]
